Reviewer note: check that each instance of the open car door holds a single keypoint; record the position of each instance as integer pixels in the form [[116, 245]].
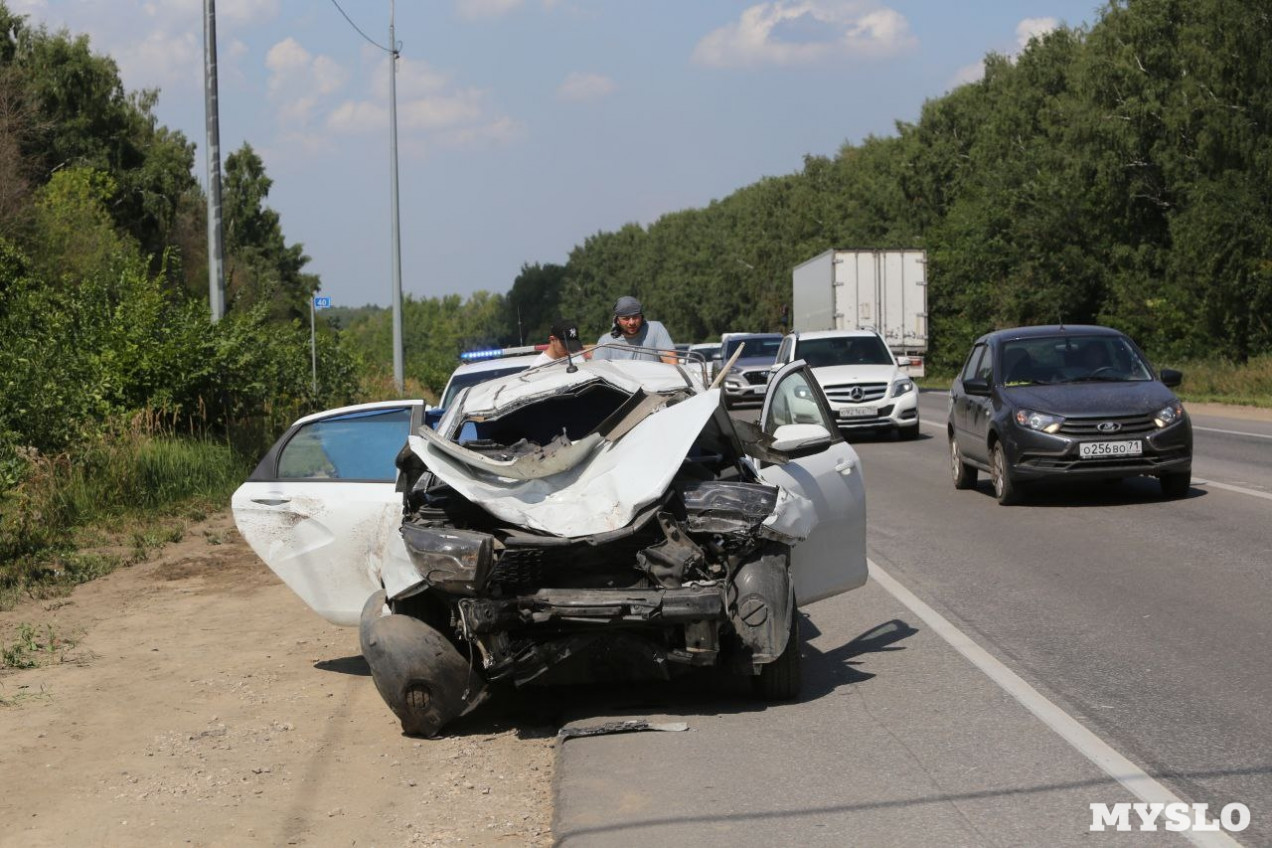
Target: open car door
[[833, 557], [322, 509]]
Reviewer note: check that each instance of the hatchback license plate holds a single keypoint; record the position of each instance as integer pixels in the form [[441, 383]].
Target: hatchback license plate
[[856, 412], [1101, 450]]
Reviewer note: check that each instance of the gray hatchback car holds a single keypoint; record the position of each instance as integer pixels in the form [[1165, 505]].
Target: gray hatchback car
[[1065, 402]]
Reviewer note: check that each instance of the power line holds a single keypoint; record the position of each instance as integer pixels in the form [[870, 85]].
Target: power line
[[360, 32]]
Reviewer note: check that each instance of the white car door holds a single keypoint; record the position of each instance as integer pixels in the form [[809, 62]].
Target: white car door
[[833, 557], [322, 509]]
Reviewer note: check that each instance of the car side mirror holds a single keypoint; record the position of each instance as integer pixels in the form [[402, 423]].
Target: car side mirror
[[797, 440], [1172, 378], [977, 386]]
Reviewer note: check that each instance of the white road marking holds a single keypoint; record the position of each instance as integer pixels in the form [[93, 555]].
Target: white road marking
[[1083, 740], [1230, 488], [1233, 432]]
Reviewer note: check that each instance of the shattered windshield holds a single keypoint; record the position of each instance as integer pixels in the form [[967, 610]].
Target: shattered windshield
[[1071, 359]]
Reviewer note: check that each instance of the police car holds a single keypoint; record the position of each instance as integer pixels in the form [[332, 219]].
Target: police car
[[478, 367]]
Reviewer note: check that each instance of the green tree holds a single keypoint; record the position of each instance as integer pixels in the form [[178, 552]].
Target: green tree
[[534, 302], [262, 267], [84, 118]]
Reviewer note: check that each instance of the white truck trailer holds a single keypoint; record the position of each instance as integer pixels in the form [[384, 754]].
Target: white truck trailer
[[881, 290]]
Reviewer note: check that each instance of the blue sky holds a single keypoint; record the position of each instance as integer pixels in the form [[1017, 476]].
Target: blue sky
[[525, 126]]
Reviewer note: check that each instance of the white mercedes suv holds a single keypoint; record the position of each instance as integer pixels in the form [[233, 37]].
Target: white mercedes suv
[[867, 390]]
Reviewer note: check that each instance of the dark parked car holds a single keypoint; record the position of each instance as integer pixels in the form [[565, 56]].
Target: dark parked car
[[1066, 402], [747, 380]]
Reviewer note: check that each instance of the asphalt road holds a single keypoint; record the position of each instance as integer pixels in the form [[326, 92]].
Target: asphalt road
[[1141, 620]]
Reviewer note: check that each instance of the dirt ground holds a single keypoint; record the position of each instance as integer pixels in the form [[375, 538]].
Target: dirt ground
[[203, 704]]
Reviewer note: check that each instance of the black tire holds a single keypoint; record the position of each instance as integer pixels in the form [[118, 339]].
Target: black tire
[[908, 434], [782, 679], [1176, 484], [964, 474], [1006, 490]]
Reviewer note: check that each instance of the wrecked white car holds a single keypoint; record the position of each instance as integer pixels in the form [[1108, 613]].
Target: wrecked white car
[[579, 521]]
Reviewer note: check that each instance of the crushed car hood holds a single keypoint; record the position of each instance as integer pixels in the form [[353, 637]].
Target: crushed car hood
[[592, 485]]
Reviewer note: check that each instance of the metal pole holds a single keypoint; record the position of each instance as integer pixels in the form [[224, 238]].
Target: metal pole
[[313, 343], [398, 366], [216, 268]]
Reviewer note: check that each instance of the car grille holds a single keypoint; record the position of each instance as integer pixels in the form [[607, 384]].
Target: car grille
[[1146, 463], [756, 378], [870, 392], [524, 570], [1089, 427], [1129, 463]]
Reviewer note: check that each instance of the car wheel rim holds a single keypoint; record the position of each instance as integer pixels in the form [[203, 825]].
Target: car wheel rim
[[955, 459]]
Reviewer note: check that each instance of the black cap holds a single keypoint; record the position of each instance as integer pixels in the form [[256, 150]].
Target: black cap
[[568, 332]]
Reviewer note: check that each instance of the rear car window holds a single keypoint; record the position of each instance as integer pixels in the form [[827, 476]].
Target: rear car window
[[357, 446]]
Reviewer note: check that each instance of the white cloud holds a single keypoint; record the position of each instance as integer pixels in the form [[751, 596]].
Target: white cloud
[[299, 81], [580, 86], [431, 110], [414, 78], [968, 73], [37, 9], [500, 131], [1025, 30], [155, 43], [161, 59], [238, 13], [801, 32], [359, 116], [484, 9], [286, 60], [462, 108], [1034, 27]]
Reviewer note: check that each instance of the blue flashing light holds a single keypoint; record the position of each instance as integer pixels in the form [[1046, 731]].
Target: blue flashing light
[[497, 352], [473, 355]]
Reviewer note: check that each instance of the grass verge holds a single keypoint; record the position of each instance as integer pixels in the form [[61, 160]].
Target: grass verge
[[74, 518]]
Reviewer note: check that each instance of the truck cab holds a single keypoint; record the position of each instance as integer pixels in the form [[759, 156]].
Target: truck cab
[[868, 390]]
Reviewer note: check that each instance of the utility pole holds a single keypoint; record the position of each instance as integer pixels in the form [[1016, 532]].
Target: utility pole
[[398, 366], [216, 268]]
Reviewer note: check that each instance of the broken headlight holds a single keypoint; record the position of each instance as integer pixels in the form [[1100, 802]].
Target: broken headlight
[[455, 561]]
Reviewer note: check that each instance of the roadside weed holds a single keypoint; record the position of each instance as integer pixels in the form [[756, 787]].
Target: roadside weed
[[31, 648]]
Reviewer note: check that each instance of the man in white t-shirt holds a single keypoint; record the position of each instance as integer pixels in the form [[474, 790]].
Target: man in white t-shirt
[[563, 337], [635, 338]]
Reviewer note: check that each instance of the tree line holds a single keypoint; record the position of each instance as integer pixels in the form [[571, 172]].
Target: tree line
[[1119, 173], [103, 281]]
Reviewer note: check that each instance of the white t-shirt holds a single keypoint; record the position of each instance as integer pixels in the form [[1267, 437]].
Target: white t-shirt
[[652, 335]]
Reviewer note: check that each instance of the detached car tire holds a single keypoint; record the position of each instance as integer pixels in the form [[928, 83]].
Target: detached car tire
[[1006, 490], [964, 474], [782, 679]]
